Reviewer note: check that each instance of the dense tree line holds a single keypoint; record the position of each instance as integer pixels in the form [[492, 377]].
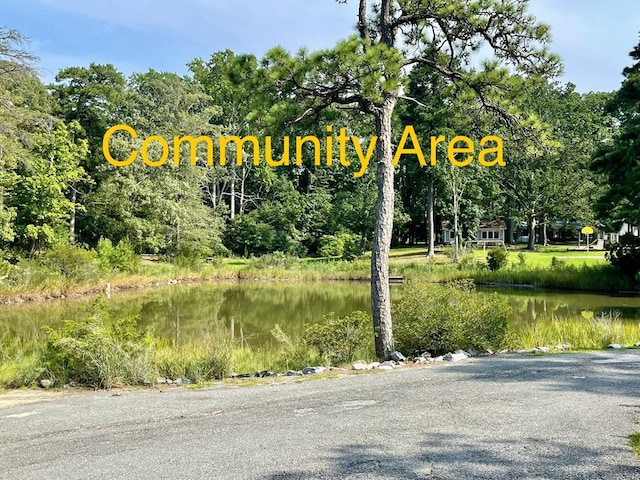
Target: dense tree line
[[56, 186]]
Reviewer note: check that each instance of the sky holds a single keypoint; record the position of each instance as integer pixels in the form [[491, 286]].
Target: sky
[[593, 37]]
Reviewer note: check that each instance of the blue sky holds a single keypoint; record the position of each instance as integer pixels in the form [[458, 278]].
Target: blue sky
[[592, 36]]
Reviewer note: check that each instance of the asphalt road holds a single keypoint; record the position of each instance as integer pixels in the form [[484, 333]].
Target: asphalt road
[[552, 417]]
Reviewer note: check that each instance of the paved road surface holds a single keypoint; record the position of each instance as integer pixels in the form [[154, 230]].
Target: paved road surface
[[553, 417]]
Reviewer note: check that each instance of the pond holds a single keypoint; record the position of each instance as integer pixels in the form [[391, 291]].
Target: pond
[[182, 314]]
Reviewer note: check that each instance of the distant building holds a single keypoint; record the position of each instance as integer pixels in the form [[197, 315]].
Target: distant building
[[489, 232]]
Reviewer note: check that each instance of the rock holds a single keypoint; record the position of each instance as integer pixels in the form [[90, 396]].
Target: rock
[[178, 381], [292, 373], [360, 365], [373, 365], [438, 359], [397, 357], [161, 381], [264, 373], [541, 349], [454, 357], [337, 369], [637, 344], [246, 375], [313, 370], [187, 380], [388, 363], [462, 352], [233, 375], [472, 353], [616, 346], [425, 355], [420, 360], [385, 367], [564, 347], [45, 383]]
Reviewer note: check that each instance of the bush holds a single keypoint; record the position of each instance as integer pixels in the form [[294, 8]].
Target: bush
[[497, 258], [273, 260], [99, 352], [557, 263], [340, 339], [73, 262], [122, 257], [625, 254], [331, 246], [441, 319], [343, 245], [294, 355]]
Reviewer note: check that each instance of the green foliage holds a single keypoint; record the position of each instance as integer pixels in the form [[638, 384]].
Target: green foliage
[[73, 262], [497, 258], [100, 351], [293, 355], [522, 260], [441, 319], [122, 257], [557, 263], [579, 333], [634, 443], [20, 363], [208, 360], [273, 260], [340, 339], [331, 246], [618, 158], [625, 254], [343, 245]]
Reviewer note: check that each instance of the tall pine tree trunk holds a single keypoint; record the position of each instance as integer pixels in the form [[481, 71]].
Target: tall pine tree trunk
[[531, 226], [233, 193], [431, 227], [380, 294]]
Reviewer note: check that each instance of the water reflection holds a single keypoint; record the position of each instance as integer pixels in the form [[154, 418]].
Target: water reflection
[[249, 310]]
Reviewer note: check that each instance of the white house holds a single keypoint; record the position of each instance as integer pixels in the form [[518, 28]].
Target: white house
[[489, 232]]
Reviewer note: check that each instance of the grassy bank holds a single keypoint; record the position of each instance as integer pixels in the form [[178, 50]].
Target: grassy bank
[[111, 349], [551, 268]]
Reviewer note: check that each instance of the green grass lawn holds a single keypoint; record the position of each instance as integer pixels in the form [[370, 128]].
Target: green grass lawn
[[541, 258]]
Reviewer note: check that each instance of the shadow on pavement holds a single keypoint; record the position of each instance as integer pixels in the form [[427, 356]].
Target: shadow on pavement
[[445, 456]]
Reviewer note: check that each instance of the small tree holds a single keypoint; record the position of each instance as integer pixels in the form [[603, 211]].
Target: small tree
[[497, 258], [625, 254]]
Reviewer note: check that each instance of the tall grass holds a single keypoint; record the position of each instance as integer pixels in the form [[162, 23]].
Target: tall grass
[[579, 333], [595, 278]]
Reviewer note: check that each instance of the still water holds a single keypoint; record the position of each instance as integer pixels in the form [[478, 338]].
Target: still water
[[182, 314]]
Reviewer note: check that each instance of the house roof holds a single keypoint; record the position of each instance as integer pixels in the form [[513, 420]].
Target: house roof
[[486, 224]]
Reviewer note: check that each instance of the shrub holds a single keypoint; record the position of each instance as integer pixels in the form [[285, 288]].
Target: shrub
[[339, 339], [343, 245], [122, 257], [352, 246], [331, 246], [273, 260], [440, 319], [294, 355], [99, 352], [497, 258], [73, 262], [625, 254], [557, 263]]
